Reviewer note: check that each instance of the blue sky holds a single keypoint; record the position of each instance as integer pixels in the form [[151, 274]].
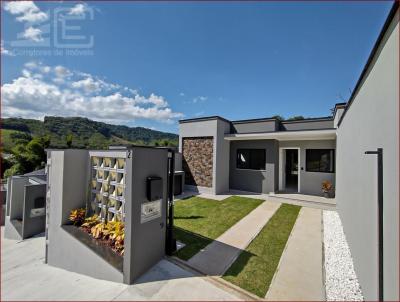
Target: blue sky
[[151, 64]]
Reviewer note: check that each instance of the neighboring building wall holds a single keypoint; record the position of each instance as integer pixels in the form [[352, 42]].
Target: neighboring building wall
[[198, 161], [371, 122], [310, 182], [260, 181]]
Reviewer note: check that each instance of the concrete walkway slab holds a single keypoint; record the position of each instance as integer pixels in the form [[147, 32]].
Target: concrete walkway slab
[[25, 276], [216, 258], [299, 275], [303, 200]]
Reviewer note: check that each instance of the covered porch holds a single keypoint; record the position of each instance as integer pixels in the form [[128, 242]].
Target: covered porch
[[294, 162]]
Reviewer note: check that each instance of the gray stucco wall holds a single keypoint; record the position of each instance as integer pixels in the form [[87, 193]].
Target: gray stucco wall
[[307, 125], [372, 122], [68, 188], [222, 158], [310, 182], [144, 242], [17, 196], [255, 126], [33, 225], [259, 181]]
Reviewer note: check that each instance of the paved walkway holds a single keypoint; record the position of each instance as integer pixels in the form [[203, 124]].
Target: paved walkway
[[300, 276], [311, 201], [24, 276], [216, 258]]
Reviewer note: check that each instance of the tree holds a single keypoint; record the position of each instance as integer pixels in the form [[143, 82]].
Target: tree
[[29, 157], [69, 138], [278, 117], [296, 118]]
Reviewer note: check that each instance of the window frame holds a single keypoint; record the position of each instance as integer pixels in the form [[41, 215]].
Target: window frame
[[250, 158], [332, 159]]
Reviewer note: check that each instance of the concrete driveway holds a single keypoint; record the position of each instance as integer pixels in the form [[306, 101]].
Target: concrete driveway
[[24, 276]]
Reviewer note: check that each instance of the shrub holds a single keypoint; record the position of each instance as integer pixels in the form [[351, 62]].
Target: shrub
[[97, 231], [91, 221], [117, 234], [112, 230], [77, 216]]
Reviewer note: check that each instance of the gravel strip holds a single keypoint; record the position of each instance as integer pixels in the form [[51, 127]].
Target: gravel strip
[[340, 279]]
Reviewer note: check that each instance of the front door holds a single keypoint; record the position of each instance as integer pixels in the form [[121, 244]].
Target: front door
[[291, 170]]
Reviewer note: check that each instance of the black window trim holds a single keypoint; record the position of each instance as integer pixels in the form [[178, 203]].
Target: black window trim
[[249, 169], [333, 160]]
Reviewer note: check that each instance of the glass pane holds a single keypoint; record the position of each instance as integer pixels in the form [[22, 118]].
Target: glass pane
[[320, 160], [258, 159], [243, 159]]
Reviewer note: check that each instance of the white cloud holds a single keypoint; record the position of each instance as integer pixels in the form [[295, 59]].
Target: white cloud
[[36, 94], [199, 99], [62, 72], [5, 51], [78, 10], [34, 34], [182, 94], [88, 84], [27, 11]]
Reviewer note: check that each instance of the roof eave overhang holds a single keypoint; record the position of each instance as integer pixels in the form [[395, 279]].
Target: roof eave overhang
[[328, 134]]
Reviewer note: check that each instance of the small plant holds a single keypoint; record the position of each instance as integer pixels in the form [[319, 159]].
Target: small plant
[[118, 236], [110, 227], [77, 216], [91, 221], [326, 186], [97, 231]]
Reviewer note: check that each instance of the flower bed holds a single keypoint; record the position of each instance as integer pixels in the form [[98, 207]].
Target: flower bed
[[110, 234]]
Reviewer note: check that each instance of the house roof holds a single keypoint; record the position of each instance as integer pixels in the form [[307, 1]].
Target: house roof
[[215, 117], [37, 172], [201, 119]]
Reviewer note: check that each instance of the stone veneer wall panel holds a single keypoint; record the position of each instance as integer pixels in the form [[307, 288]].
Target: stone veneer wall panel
[[198, 160]]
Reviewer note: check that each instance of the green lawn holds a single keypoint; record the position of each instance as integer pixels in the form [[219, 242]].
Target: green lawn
[[254, 268], [198, 221]]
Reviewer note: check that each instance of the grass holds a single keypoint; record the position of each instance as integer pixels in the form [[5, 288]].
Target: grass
[[198, 221], [254, 268]]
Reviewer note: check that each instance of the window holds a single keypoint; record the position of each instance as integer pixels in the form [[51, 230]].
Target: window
[[253, 159], [320, 160]]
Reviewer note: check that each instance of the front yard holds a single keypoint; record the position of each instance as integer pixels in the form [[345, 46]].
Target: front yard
[[255, 267], [198, 221]]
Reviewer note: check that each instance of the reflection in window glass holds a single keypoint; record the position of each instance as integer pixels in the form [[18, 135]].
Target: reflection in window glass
[[253, 159], [320, 160]]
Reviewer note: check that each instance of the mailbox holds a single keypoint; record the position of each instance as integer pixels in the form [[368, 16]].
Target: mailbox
[[154, 188]]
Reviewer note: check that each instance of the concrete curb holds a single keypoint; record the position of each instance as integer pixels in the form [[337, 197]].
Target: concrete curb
[[216, 280]]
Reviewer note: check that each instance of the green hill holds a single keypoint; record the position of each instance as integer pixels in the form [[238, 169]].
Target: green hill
[[85, 133]]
